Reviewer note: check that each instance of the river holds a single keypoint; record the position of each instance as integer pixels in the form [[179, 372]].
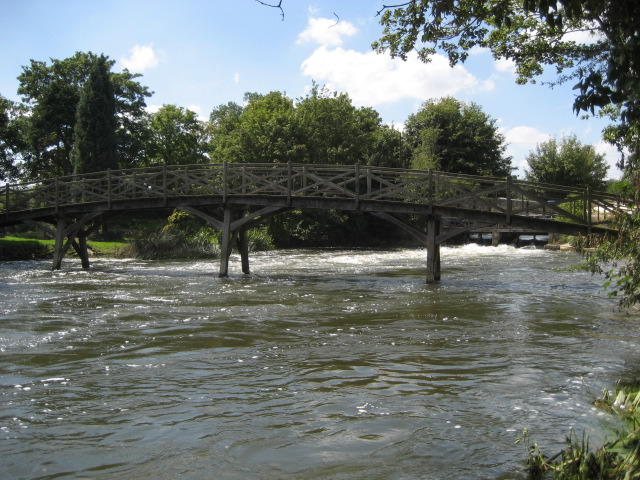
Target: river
[[321, 364]]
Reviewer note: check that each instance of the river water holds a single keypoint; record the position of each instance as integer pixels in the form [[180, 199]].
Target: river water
[[321, 364]]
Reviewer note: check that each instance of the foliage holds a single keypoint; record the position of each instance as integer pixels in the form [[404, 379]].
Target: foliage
[[334, 131], [176, 137], [94, 147], [52, 93], [618, 458], [175, 245], [451, 136], [264, 132], [567, 162], [534, 34], [23, 249], [323, 128], [618, 258], [10, 138]]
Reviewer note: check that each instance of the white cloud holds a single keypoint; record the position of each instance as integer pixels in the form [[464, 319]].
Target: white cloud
[[505, 65], [371, 79], [523, 140], [197, 109], [612, 157], [327, 31], [153, 108], [141, 58], [236, 78]]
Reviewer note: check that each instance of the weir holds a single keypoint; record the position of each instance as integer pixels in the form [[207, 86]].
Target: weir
[[237, 197]]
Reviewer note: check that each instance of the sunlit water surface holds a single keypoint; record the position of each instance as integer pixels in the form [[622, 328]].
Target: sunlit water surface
[[321, 364]]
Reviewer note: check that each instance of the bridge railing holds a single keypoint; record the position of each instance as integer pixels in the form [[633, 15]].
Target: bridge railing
[[353, 182]]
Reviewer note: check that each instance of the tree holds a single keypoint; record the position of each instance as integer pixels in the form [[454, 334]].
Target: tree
[[534, 34], [567, 162], [265, 130], [176, 137], [95, 147], [334, 131], [11, 115], [52, 93], [452, 136]]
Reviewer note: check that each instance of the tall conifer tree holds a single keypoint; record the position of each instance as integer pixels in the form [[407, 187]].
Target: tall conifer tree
[[95, 144]]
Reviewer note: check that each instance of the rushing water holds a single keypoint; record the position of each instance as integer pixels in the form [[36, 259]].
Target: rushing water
[[322, 364]]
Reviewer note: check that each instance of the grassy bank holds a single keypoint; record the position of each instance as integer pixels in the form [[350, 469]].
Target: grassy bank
[[618, 458], [19, 248]]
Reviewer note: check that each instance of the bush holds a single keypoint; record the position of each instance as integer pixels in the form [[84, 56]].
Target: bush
[[172, 246], [23, 250]]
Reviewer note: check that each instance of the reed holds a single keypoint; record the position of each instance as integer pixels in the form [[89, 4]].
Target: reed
[[617, 459]]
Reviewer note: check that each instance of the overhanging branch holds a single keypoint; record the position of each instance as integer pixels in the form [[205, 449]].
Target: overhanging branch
[[278, 6]]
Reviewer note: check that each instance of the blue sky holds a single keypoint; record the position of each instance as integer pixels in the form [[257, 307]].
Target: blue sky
[[203, 53]]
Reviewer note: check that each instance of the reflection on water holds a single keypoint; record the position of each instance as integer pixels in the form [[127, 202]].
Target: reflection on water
[[322, 364]]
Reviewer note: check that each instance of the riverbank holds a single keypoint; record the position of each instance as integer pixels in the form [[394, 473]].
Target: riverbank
[[14, 248]]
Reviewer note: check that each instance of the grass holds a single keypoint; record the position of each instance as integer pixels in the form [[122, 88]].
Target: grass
[[20, 248], [617, 459]]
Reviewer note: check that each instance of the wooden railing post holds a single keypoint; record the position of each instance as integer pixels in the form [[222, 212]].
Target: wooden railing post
[[509, 203], [589, 209], [357, 185], [224, 182], [6, 200], [133, 185], [430, 192], [109, 189], [164, 184], [289, 183], [57, 192]]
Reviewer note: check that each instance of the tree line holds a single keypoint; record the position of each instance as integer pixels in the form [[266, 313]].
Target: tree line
[[78, 116]]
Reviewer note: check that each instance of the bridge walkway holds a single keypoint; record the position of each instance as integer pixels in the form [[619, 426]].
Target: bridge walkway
[[237, 197]]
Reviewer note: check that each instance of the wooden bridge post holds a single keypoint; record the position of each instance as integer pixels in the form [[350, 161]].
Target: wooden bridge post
[[243, 247], [433, 249], [225, 247], [81, 249], [58, 250]]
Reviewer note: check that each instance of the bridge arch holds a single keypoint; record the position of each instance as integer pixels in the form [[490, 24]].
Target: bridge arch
[[76, 205]]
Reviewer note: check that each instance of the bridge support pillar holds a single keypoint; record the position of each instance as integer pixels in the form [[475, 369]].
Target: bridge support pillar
[[59, 250], [225, 246], [433, 249], [496, 236], [76, 237], [243, 248]]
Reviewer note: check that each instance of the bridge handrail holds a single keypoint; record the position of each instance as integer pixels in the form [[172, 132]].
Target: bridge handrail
[[355, 182]]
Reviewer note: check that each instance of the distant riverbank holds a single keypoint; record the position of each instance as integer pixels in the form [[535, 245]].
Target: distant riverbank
[[18, 248]]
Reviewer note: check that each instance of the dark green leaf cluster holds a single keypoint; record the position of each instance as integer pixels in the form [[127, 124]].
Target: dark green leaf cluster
[[567, 162], [535, 34], [451, 136], [51, 94], [618, 258], [95, 146], [323, 128], [175, 136]]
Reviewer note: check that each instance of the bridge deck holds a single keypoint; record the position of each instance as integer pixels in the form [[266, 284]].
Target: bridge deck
[[75, 204]]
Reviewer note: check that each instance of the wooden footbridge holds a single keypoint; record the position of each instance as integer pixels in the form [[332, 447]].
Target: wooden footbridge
[[237, 197]]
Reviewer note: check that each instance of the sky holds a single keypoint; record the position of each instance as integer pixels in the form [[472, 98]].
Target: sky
[[200, 54]]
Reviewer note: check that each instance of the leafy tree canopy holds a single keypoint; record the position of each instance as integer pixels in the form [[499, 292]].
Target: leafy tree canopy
[[536, 34], [567, 162], [322, 127], [10, 138], [94, 147], [176, 137], [52, 93], [452, 136]]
